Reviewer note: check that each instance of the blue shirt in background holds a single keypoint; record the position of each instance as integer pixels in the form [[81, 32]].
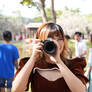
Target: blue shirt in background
[[8, 55]]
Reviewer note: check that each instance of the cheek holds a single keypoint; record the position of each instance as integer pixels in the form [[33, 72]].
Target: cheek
[[61, 46]]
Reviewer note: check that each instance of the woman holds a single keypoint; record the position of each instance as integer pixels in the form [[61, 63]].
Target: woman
[[89, 69], [50, 72]]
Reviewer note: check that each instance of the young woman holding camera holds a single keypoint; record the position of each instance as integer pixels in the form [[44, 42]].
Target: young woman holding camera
[[50, 72]]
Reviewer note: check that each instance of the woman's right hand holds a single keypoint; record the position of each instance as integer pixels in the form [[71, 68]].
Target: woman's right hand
[[37, 52]]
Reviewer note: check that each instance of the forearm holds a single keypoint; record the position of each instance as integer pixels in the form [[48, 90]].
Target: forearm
[[20, 82], [72, 81], [83, 53]]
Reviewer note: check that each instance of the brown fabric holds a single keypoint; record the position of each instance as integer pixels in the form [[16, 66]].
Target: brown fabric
[[41, 84]]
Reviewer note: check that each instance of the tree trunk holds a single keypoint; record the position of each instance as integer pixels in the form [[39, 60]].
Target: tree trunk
[[53, 14], [42, 8]]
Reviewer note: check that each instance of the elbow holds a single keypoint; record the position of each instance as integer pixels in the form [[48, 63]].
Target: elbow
[[83, 89], [15, 88], [80, 89]]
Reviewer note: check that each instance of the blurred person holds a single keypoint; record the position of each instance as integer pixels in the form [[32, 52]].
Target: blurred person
[[69, 52], [89, 68], [8, 58], [80, 45], [47, 71], [20, 37]]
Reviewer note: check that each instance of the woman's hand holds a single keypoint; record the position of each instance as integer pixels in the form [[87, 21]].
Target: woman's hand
[[55, 58], [37, 49]]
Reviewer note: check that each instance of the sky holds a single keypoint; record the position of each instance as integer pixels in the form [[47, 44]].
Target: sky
[[9, 6]]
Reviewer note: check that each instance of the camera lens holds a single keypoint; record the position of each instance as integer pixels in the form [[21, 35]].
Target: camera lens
[[49, 47]]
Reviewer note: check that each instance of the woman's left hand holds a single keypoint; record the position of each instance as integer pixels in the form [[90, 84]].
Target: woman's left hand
[[55, 58]]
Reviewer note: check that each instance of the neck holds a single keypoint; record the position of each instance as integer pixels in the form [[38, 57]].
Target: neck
[[6, 42], [78, 40]]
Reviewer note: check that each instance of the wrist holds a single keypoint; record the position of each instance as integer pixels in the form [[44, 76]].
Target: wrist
[[33, 58], [62, 69]]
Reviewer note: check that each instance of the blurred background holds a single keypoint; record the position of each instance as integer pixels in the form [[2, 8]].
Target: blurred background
[[23, 17]]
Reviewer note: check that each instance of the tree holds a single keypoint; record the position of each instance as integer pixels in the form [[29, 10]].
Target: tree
[[40, 5], [48, 12], [53, 14]]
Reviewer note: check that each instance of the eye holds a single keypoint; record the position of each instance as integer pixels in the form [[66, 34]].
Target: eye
[[59, 39]]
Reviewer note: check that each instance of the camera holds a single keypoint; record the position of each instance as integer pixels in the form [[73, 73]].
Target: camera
[[49, 46]]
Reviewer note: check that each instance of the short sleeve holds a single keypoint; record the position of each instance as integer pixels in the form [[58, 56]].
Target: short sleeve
[[78, 66], [16, 54], [22, 62], [84, 46]]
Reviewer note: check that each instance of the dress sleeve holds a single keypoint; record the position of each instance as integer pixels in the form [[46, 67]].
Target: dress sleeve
[[22, 62], [77, 67]]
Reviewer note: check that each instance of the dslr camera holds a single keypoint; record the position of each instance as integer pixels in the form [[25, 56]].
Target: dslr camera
[[49, 46]]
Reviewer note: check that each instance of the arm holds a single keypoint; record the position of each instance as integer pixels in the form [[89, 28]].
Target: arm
[[83, 53], [68, 76], [21, 80], [71, 79], [22, 77], [84, 47]]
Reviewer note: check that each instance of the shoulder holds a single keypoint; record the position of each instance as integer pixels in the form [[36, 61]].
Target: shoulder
[[1, 44], [77, 68], [83, 42], [78, 62], [13, 46], [23, 61]]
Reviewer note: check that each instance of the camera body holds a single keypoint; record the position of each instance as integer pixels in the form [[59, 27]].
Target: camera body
[[49, 46]]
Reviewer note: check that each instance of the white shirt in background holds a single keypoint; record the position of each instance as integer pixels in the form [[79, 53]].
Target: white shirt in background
[[79, 48]]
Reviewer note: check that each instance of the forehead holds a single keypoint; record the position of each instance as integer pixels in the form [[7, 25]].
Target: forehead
[[50, 31], [77, 35], [55, 33]]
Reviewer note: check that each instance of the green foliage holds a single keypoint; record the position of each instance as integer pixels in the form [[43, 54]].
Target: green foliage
[[48, 13], [31, 3], [66, 8], [89, 16], [71, 45], [37, 19], [77, 10], [58, 13], [89, 44]]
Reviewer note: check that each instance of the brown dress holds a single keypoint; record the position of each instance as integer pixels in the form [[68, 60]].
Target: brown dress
[[41, 84]]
